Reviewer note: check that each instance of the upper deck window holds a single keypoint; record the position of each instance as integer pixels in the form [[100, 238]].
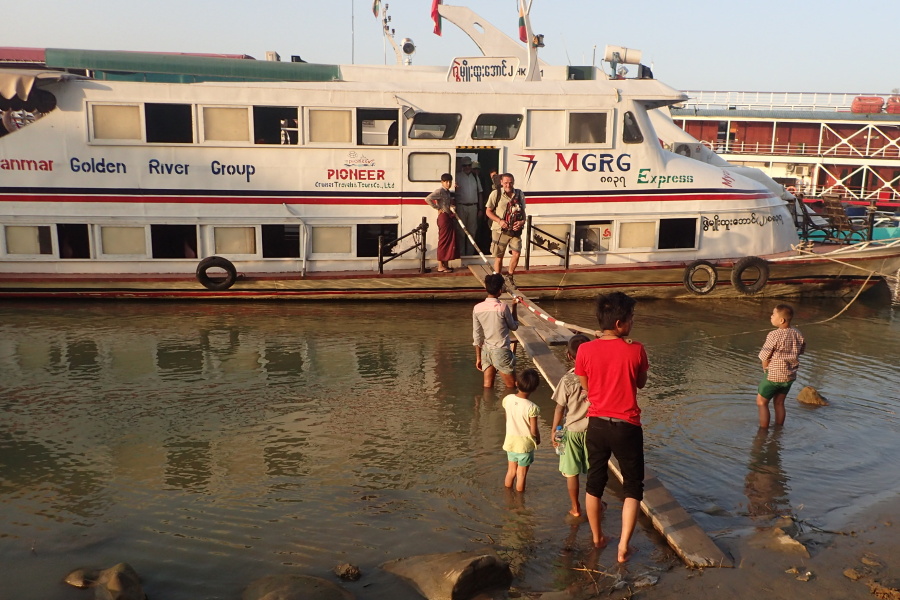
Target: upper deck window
[[376, 126], [330, 126], [275, 125], [496, 127], [225, 124], [116, 122], [631, 131], [587, 128], [434, 126], [169, 123]]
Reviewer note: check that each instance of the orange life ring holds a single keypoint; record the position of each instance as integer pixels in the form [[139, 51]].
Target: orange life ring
[[791, 189]]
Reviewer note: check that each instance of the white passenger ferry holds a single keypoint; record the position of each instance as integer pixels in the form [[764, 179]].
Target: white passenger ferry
[[132, 175]]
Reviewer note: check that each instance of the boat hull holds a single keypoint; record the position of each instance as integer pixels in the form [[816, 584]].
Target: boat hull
[[835, 273]]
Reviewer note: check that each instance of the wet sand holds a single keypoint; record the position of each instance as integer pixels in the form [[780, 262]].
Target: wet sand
[[858, 561]]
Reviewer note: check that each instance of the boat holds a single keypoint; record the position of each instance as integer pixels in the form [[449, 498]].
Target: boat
[[168, 176], [813, 144]]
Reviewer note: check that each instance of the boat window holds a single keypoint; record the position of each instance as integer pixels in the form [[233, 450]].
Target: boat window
[[427, 166], [173, 241], [434, 126], [330, 126], [546, 128], [112, 122], [221, 124], [631, 131], [367, 238], [28, 239], [169, 123], [281, 241], [275, 125], [677, 233], [496, 127], [593, 236], [587, 128], [376, 126], [74, 241], [123, 240], [331, 240], [637, 235], [235, 240]]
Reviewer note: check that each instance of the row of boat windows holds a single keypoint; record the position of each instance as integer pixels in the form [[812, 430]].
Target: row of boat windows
[[86, 241], [157, 123]]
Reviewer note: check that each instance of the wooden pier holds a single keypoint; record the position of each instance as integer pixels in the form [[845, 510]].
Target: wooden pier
[[684, 535]]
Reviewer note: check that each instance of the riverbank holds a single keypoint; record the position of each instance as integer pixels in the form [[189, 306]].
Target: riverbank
[[856, 562]]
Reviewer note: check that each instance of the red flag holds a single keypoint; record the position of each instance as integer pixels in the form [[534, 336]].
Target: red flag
[[523, 34], [436, 16]]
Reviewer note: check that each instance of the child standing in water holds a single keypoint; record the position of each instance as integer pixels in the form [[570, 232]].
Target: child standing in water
[[780, 357], [612, 368], [522, 433], [571, 413]]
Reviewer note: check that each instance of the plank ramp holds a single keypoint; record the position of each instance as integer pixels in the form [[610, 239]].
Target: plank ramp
[[684, 535]]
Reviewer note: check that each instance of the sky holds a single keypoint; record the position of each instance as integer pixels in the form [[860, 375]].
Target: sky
[[764, 45]]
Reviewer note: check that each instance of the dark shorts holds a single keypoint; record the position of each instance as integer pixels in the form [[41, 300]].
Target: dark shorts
[[625, 441], [767, 389]]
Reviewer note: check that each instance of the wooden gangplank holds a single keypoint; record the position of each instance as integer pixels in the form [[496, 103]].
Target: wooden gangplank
[[684, 535]]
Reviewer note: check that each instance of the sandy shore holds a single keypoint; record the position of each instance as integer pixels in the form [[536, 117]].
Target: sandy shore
[[857, 562]]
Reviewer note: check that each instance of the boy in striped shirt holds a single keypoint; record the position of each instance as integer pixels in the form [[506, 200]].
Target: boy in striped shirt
[[780, 357]]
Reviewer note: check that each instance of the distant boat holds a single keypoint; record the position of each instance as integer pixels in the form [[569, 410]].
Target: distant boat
[[154, 175]]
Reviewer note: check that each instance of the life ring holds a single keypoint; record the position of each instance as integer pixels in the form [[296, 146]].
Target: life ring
[[791, 189], [216, 284], [737, 275], [698, 266]]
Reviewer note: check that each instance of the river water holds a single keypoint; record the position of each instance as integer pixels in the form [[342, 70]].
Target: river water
[[211, 444]]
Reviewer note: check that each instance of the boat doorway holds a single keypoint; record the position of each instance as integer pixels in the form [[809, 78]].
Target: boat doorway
[[485, 163]]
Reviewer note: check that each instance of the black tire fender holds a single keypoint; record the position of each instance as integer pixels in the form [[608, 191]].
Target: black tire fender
[[698, 266], [216, 284], [737, 275]]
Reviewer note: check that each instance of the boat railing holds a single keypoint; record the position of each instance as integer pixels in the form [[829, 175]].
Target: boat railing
[[387, 247], [545, 241], [839, 150], [793, 101]]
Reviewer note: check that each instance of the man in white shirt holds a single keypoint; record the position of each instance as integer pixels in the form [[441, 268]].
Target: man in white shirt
[[468, 199]]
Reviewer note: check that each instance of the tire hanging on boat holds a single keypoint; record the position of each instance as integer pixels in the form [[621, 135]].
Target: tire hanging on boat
[[216, 284], [700, 266], [749, 262]]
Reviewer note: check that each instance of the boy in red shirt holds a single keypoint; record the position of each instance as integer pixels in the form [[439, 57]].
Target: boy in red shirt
[[612, 368]]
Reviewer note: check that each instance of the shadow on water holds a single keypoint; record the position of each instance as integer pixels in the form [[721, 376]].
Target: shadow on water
[[212, 444]]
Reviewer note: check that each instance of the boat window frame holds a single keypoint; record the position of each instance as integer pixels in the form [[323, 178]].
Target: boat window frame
[[194, 129], [349, 255], [409, 171], [92, 140], [307, 127], [696, 242], [201, 126], [613, 237], [610, 128], [633, 221], [449, 134], [148, 244], [4, 243], [476, 124], [207, 233]]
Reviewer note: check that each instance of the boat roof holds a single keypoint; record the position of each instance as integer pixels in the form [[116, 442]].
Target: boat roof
[[782, 114]]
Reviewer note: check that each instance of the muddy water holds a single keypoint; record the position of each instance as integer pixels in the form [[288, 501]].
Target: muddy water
[[211, 444]]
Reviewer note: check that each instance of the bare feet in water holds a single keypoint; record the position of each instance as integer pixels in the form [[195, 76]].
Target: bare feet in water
[[625, 553]]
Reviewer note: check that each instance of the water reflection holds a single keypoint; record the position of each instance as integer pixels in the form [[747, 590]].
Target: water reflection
[[766, 485], [244, 431]]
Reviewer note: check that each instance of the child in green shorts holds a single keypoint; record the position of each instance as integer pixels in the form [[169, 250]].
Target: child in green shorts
[[780, 357], [571, 412]]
